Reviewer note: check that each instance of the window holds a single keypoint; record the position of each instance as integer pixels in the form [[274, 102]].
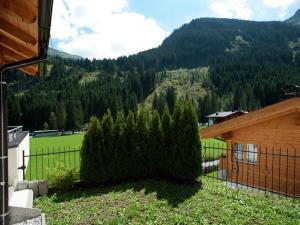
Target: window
[[251, 155], [238, 151]]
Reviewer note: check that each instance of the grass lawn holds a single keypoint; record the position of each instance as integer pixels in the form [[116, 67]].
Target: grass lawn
[[38, 166], [160, 202], [212, 149], [56, 141]]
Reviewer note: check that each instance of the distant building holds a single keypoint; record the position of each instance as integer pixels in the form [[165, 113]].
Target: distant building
[[45, 133], [219, 117]]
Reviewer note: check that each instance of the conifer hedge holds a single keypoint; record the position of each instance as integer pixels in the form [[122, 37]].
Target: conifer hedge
[[142, 146]]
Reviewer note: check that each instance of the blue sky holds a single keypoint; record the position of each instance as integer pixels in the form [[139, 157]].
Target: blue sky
[[112, 28]]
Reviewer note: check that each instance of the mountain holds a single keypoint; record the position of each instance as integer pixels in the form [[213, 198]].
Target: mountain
[[295, 19], [196, 43], [218, 64], [54, 52]]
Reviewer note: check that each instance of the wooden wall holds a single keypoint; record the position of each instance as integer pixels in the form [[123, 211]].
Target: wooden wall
[[278, 159]]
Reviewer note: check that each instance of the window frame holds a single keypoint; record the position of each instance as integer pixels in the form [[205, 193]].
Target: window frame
[[245, 153], [255, 153], [238, 152]]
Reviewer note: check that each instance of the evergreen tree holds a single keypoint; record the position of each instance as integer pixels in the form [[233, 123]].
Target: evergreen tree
[[155, 102], [171, 98], [45, 126], [130, 132], [154, 147], [61, 114], [176, 134], [109, 153], [92, 168], [74, 115], [188, 162], [142, 143], [167, 156], [133, 103], [52, 121], [14, 110], [161, 103], [121, 162]]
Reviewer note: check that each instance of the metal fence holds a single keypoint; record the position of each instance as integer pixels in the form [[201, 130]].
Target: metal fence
[[265, 169], [40, 161]]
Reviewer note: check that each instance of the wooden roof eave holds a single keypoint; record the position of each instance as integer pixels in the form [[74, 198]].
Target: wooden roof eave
[[24, 49], [267, 113]]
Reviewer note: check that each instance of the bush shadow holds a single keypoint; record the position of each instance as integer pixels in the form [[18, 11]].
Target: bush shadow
[[173, 192]]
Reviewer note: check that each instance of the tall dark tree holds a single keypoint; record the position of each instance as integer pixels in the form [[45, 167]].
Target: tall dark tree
[[167, 152], [92, 168], [121, 162], [52, 121], [142, 143], [61, 115], [171, 98], [154, 161], [130, 132], [188, 157], [74, 115], [109, 153]]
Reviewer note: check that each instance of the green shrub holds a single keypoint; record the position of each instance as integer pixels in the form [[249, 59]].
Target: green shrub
[[144, 145], [62, 178]]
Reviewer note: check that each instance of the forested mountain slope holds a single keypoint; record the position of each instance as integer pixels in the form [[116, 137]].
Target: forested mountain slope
[[247, 63]]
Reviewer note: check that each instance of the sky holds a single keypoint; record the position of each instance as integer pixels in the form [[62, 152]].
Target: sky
[[112, 28]]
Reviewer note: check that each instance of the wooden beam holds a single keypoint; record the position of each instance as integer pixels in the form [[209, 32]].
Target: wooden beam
[[17, 8], [297, 118], [17, 48], [8, 54], [7, 29], [2, 2], [33, 70], [30, 70]]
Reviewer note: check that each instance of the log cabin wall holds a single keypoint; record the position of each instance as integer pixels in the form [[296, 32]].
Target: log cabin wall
[[277, 167]]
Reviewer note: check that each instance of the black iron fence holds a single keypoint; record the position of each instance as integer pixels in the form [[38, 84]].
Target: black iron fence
[[260, 168], [39, 162]]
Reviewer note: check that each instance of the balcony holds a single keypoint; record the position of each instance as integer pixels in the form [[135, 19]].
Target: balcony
[[13, 132]]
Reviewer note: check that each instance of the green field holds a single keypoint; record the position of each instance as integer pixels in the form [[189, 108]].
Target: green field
[[69, 145], [161, 202], [46, 152], [212, 149], [56, 141]]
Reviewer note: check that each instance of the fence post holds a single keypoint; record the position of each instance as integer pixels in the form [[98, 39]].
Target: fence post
[[23, 164], [23, 167]]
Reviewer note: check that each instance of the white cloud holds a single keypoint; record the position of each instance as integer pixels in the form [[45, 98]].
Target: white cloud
[[281, 4], [231, 9], [102, 28], [278, 3]]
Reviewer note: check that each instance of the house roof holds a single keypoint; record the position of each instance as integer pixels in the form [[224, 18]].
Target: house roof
[[269, 112], [24, 32], [224, 114], [20, 137]]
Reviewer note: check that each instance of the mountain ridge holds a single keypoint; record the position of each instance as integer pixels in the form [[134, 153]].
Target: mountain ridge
[[295, 19]]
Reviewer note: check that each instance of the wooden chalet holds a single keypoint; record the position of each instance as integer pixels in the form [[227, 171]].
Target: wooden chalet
[[263, 147]]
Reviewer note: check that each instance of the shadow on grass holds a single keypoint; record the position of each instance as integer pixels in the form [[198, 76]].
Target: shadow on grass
[[175, 193]]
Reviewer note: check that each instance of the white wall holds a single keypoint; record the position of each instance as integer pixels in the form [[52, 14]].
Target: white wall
[[12, 166], [15, 160]]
